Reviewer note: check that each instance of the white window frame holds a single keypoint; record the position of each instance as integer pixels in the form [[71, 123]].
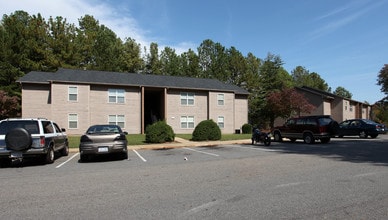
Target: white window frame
[[220, 99], [72, 92], [187, 122], [72, 118], [116, 96], [221, 121], [187, 98], [117, 120]]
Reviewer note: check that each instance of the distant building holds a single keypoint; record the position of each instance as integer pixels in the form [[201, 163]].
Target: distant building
[[327, 103], [76, 99]]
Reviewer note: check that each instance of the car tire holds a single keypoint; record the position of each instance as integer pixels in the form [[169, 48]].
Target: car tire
[[49, 157], [277, 137], [374, 135], [333, 128], [363, 134], [18, 139], [308, 138], [325, 140], [84, 158], [292, 140], [65, 150], [124, 156]]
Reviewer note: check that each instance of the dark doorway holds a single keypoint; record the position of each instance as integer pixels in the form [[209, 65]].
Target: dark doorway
[[153, 106]]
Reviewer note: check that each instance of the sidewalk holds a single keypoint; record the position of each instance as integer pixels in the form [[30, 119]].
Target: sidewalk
[[180, 142]]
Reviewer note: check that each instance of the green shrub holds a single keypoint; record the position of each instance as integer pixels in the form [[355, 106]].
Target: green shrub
[[159, 132], [206, 130], [246, 129]]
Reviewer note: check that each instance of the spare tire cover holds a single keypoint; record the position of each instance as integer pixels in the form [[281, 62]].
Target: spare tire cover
[[18, 139]]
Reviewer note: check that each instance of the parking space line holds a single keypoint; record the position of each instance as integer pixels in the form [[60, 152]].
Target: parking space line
[[67, 160], [254, 148], [142, 158], [216, 155]]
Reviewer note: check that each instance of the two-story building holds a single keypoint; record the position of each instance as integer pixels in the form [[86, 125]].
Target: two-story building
[[76, 99]]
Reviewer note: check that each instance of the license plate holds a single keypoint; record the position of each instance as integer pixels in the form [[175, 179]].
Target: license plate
[[103, 149], [16, 155]]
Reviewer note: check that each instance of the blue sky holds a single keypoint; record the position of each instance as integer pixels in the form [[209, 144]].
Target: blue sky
[[344, 41]]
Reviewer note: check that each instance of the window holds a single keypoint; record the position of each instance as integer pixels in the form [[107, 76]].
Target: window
[[220, 99], [73, 121], [220, 121], [73, 93], [117, 120], [187, 121], [116, 95], [187, 98]]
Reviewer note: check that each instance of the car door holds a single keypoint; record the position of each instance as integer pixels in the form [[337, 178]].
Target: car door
[[60, 137], [344, 128]]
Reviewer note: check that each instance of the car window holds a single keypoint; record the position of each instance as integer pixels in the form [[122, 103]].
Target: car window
[[300, 121], [31, 126], [47, 127], [324, 121], [290, 122], [344, 123], [56, 127], [104, 129], [311, 121]]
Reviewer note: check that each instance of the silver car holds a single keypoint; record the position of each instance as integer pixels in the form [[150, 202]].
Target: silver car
[[103, 140]]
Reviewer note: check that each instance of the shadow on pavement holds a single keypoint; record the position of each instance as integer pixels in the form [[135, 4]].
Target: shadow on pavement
[[348, 149]]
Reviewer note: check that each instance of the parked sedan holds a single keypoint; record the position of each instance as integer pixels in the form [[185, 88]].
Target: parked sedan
[[360, 127], [103, 140]]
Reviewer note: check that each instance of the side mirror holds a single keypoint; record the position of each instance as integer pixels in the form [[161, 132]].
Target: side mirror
[[63, 130]]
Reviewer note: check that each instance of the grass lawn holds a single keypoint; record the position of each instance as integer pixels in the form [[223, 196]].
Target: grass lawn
[[138, 139]]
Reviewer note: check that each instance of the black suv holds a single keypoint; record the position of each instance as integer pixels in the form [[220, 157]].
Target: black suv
[[307, 128], [35, 137]]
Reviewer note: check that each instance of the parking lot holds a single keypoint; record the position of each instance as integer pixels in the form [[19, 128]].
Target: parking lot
[[345, 179]]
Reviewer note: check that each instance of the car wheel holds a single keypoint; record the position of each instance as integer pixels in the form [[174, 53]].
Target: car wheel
[[374, 135], [65, 149], [267, 141], [363, 134], [277, 137], [50, 156], [84, 158], [124, 156], [325, 140], [292, 140], [308, 138], [5, 162], [18, 139]]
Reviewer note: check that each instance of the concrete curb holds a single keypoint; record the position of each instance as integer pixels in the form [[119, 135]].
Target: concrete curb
[[179, 143]]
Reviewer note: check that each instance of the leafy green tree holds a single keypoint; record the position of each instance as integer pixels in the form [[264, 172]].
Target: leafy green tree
[[212, 60], [237, 67], [302, 77], [62, 38], [170, 62], [341, 91], [130, 58], [190, 64], [382, 79], [153, 65]]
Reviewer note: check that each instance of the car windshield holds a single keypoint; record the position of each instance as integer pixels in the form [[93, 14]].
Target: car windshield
[[324, 121], [31, 126], [96, 129]]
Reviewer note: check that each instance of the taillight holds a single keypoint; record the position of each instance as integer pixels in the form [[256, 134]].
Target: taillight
[[322, 129], [42, 141], [120, 137], [85, 138]]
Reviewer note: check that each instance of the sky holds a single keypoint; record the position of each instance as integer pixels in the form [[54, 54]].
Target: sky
[[344, 41]]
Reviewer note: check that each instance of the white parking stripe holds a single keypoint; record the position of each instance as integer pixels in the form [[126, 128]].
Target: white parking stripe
[[142, 158], [216, 155], [67, 160]]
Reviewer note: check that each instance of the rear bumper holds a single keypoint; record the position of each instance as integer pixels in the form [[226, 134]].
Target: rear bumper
[[32, 152], [102, 148]]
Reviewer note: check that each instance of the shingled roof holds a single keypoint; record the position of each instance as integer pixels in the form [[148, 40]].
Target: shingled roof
[[128, 79]]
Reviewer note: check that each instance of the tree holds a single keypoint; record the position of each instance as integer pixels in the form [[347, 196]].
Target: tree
[[341, 91], [9, 105], [237, 67], [302, 77], [382, 79], [286, 103], [130, 59], [212, 60], [153, 65], [190, 64], [170, 62]]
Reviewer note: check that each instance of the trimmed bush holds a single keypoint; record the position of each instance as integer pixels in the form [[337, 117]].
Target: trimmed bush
[[159, 132], [206, 130], [246, 129]]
